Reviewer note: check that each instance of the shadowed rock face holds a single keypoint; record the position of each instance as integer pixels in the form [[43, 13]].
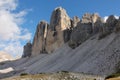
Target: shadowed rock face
[[27, 50], [88, 26], [110, 23], [39, 42], [117, 27]]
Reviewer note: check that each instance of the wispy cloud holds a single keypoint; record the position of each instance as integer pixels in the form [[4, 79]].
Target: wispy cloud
[[11, 33]]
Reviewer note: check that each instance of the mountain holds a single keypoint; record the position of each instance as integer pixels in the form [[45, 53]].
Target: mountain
[[88, 45], [79, 45]]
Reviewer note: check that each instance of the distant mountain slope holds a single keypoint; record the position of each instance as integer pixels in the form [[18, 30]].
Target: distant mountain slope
[[5, 56]]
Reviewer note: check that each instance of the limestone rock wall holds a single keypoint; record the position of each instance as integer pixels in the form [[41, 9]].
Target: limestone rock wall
[[59, 30], [88, 26], [27, 50], [39, 42]]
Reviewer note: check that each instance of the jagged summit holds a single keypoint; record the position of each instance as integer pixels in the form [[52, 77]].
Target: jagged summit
[[87, 45], [42, 21], [90, 18], [39, 41], [62, 29], [59, 8]]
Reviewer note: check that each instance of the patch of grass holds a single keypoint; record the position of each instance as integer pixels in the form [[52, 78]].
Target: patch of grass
[[113, 75], [23, 74], [41, 73], [65, 71]]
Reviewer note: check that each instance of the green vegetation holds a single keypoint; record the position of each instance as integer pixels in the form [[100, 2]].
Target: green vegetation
[[23, 74], [113, 75], [41, 73], [65, 71]]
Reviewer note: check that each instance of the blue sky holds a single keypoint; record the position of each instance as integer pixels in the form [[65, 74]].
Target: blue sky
[[18, 18]]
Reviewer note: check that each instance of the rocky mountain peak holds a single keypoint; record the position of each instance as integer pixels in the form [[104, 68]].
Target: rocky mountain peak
[[95, 17], [90, 18], [62, 29], [76, 19], [86, 18], [39, 41], [60, 19], [59, 8]]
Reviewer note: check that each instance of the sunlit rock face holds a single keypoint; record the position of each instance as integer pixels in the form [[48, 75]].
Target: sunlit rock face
[[39, 42], [59, 30], [75, 21]]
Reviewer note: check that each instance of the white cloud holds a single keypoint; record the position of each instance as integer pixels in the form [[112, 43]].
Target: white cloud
[[11, 33], [117, 17], [14, 47], [8, 4], [106, 17]]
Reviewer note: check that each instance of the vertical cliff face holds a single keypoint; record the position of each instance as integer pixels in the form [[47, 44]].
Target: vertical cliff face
[[59, 20], [59, 29], [27, 50], [49, 38], [39, 42], [88, 26]]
